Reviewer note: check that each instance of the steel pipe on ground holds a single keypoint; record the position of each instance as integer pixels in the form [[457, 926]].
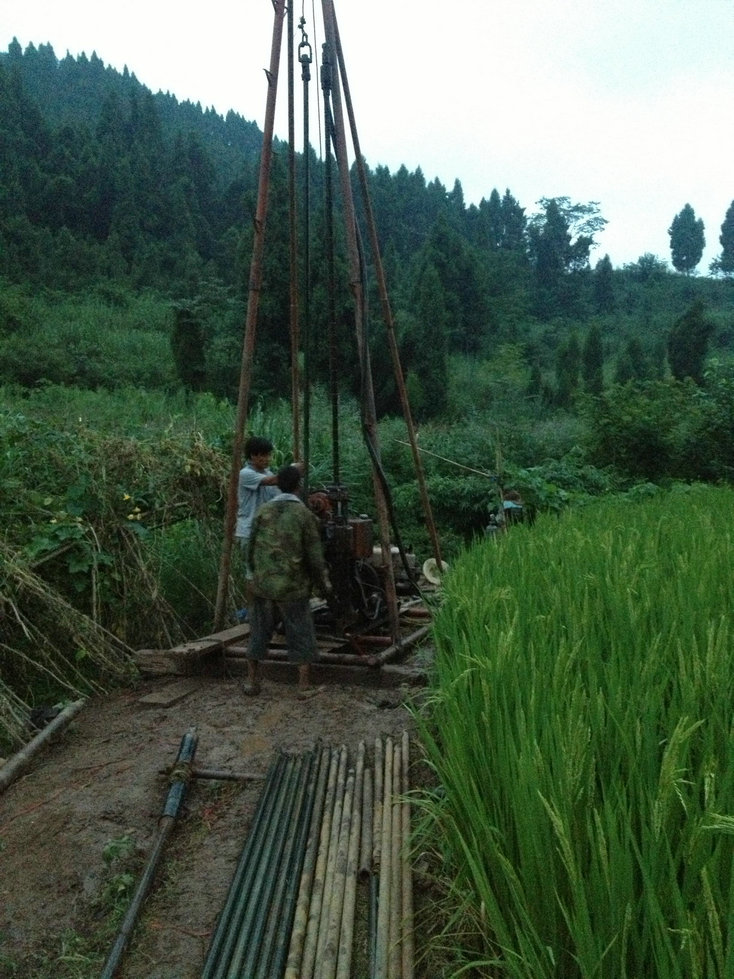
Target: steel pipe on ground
[[168, 818], [254, 904], [223, 938]]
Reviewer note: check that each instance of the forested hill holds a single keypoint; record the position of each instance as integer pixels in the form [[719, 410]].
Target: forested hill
[[108, 189]]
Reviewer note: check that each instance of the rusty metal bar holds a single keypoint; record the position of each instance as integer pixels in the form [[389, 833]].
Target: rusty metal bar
[[355, 266], [385, 302], [253, 303]]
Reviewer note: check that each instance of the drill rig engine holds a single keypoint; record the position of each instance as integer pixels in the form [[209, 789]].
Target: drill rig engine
[[358, 597]]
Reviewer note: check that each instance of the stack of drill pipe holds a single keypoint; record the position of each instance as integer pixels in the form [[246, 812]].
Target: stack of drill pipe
[[391, 938], [249, 938], [322, 825], [323, 936]]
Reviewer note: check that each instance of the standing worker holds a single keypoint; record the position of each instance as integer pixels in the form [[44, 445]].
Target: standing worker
[[257, 484], [286, 559]]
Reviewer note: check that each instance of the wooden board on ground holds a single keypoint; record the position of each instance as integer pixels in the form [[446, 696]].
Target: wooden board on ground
[[171, 694]]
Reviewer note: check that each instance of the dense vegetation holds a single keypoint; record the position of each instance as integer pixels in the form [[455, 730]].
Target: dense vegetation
[[580, 729], [125, 240]]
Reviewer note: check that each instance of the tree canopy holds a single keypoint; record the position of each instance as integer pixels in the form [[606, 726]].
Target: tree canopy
[[687, 240]]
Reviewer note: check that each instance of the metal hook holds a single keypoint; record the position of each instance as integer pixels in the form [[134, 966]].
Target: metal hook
[[304, 45]]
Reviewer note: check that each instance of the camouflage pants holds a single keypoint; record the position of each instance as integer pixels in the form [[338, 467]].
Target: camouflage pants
[[300, 634]]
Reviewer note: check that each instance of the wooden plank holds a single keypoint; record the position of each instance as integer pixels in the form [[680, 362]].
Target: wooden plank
[[171, 694]]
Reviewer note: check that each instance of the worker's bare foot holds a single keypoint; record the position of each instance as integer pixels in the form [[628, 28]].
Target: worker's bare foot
[[251, 686]]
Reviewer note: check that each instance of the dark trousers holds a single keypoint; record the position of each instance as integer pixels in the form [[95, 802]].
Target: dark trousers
[[300, 634]]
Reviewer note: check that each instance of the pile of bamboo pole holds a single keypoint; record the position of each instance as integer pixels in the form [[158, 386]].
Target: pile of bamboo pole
[[328, 846]]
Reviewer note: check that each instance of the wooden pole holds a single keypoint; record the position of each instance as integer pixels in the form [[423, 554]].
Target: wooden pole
[[385, 303], [253, 304], [15, 766]]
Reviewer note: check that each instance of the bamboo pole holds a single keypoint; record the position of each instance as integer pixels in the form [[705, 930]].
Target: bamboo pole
[[327, 960], [15, 766], [379, 768], [314, 913], [394, 956], [300, 921], [408, 942], [365, 850], [383, 909], [331, 859], [346, 939]]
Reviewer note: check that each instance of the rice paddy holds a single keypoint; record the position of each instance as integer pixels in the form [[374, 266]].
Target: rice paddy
[[580, 728]]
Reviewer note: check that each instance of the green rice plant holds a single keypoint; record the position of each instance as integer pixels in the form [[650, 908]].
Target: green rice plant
[[579, 724]]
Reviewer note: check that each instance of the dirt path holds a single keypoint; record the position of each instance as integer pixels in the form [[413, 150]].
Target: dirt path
[[99, 790]]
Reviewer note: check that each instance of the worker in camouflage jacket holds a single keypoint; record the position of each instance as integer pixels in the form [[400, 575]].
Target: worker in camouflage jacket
[[287, 561]]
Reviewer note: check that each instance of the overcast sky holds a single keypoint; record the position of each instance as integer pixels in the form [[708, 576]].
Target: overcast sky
[[629, 103]]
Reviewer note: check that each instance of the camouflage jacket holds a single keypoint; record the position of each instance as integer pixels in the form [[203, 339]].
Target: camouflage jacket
[[285, 551]]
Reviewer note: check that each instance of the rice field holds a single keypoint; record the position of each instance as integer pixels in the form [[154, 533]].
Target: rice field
[[580, 728]]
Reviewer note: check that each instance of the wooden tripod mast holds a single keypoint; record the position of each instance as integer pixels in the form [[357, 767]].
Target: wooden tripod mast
[[339, 80]]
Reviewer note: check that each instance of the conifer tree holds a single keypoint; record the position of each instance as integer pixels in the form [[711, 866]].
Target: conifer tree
[[592, 361], [604, 285], [686, 240], [726, 239], [688, 344]]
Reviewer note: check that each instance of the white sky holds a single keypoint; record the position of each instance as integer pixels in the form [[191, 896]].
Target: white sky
[[629, 103]]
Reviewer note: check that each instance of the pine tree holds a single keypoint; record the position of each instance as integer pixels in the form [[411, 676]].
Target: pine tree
[[686, 240], [688, 344], [726, 239], [592, 361], [604, 285]]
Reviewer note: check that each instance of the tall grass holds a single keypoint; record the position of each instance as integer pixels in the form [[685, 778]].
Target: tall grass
[[580, 726]]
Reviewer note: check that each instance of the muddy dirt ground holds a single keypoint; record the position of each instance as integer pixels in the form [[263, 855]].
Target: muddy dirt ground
[[99, 789]]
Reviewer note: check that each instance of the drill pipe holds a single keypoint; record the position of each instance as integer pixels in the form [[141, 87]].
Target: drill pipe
[[313, 803], [271, 912], [249, 924], [175, 797], [220, 947], [219, 775]]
